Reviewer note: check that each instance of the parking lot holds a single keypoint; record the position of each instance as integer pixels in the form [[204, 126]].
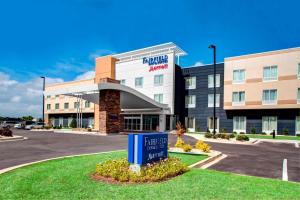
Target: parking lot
[[263, 159]]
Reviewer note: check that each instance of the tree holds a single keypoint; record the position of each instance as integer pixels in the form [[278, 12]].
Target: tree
[[27, 118], [73, 123]]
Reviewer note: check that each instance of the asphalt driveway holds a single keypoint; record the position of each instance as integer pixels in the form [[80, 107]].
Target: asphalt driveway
[[263, 159]]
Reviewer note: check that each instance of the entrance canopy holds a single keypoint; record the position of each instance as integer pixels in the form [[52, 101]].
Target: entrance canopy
[[129, 98]]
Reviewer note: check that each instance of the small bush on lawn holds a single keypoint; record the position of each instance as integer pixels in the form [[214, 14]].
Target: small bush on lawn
[[242, 138], [187, 148], [298, 134], [208, 135], [179, 142], [285, 131], [202, 146], [119, 170], [6, 132], [253, 131], [263, 133]]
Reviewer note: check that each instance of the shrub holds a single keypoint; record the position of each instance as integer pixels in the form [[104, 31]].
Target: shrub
[[73, 123], [6, 132], [232, 135], [187, 148], [234, 132], [202, 146], [263, 133], [198, 130], [179, 129], [242, 133], [298, 134], [285, 131], [207, 130], [179, 142], [208, 135], [253, 131], [227, 136], [242, 138], [119, 170], [89, 130], [47, 127]]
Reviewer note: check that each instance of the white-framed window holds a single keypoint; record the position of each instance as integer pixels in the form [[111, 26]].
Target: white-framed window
[[76, 105], [298, 96], [211, 80], [123, 82], [66, 105], [139, 82], [158, 98], [56, 106], [269, 123], [190, 101], [239, 124], [190, 123], [270, 73], [48, 96], [269, 96], [238, 98], [211, 100], [48, 106], [210, 124], [158, 80], [87, 104], [190, 82], [238, 76], [298, 124]]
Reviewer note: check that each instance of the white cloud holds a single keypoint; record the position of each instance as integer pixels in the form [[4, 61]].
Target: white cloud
[[99, 53], [86, 75], [22, 98], [199, 63]]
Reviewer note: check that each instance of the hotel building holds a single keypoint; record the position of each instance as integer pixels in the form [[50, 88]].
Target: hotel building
[[147, 90]]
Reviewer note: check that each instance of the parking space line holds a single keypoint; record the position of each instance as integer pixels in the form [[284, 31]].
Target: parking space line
[[284, 170]]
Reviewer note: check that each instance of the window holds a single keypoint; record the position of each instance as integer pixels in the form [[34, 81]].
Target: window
[[57, 106], [298, 70], [158, 98], [190, 101], [269, 124], [66, 105], [298, 96], [239, 124], [48, 96], [190, 124], [56, 96], [48, 106], [139, 82], [87, 104], [190, 82], [269, 97], [238, 98], [211, 100], [210, 124], [298, 124], [123, 82], [211, 80], [270, 73], [158, 80], [76, 104], [238, 76]]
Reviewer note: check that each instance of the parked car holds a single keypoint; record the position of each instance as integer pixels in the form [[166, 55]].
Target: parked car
[[29, 127], [36, 125], [8, 124], [19, 125]]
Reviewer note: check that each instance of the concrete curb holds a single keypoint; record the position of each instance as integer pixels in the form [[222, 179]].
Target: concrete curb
[[14, 138], [210, 159], [222, 141], [2, 171]]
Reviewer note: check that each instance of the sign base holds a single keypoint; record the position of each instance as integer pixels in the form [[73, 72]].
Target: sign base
[[135, 168]]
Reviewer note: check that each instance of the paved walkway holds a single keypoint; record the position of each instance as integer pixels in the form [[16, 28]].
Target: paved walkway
[[263, 159]]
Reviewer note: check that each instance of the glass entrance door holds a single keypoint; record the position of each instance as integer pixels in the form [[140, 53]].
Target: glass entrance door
[[150, 122], [132, 122]]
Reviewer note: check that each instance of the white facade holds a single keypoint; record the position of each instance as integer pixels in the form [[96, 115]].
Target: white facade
[[128, 71]]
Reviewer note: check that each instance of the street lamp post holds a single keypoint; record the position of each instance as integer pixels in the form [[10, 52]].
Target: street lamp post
[[214, 119], [43, 77]]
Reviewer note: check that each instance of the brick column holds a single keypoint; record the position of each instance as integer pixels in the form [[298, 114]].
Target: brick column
[[109, 111]]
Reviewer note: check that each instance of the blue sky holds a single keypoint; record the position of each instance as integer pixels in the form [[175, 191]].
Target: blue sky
[[60, 38]]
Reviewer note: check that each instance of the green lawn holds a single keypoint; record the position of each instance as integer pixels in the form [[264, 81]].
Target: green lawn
[[69, 179], [278, 137]]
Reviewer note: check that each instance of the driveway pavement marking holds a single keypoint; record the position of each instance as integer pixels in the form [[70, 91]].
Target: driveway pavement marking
[[284, 170], [213, 162]]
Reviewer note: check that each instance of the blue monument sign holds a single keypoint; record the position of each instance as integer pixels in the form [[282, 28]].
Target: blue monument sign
[[147, 148]]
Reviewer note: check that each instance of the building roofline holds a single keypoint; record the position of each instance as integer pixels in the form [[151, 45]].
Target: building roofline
[[193, 66], [266, 53], [68, 82]]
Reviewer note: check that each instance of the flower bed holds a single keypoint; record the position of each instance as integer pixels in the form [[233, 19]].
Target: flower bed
[[117, 171]]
